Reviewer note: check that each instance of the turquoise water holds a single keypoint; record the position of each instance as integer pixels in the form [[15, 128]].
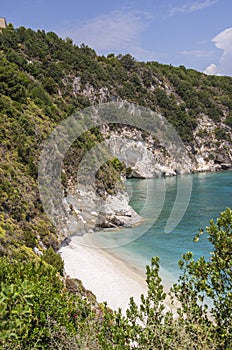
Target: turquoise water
[[154, 198]]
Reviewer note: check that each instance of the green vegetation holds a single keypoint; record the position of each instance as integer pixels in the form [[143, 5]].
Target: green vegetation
[[44, 79], [107, 179], [40, 309], [191, 323], [44, 67]]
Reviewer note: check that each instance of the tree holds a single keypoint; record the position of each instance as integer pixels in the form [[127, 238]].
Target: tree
[[189, 323], [127, 61], [10, 26], [213, 278]]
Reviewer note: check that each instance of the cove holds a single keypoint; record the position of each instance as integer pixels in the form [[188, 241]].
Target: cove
[[211, 194]]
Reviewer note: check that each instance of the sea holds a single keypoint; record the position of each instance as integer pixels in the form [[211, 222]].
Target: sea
[[208, 194]]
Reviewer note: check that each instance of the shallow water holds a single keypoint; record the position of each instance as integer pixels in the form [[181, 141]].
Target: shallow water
[[211, 193]]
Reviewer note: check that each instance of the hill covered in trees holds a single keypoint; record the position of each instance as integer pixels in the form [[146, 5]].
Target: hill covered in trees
[[43, 80]]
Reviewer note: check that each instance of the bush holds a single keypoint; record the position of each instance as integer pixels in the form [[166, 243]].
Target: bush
[[54, 259], [189, 324], [36, 311]]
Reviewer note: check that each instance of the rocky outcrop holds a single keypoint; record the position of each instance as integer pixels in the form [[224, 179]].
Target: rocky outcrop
[[210, 149], [144, 157], [147, 158], [211, 146], [118, 213], [86, 211], [223, 160], [101, 95]]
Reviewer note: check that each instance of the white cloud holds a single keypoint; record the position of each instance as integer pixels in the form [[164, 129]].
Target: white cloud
[[222, 41], [117, 32], [194, 6], [211, 69], [197, 53]]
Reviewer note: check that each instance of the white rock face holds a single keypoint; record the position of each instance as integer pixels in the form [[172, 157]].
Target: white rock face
[[206, 146], [134, 154], [210, 154], [119, 212], [86, 210], [145, 158]]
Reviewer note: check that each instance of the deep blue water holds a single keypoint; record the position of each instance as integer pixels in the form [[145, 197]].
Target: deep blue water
[[211, 193]]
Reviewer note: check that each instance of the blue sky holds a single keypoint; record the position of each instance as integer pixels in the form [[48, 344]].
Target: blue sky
[[196, 34]]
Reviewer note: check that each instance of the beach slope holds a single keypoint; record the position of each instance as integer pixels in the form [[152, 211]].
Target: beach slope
[[109, 278]]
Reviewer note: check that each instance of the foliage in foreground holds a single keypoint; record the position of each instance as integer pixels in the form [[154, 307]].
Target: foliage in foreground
[[42, 310], [39, 310], [190, 323]]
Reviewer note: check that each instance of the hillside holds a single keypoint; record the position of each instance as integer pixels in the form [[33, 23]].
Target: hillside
[[43, 80]]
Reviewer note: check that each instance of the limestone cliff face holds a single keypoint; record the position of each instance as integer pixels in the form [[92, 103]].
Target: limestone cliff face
[[209, 150], [86, 211], [212, 146], [143, 155], [146, 158]]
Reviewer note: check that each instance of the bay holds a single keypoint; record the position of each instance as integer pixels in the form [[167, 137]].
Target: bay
[[154, 198]]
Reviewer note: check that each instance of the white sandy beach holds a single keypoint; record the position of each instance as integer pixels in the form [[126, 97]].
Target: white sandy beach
[[109, 278]]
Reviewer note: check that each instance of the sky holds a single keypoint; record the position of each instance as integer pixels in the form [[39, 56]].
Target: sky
[[194, 33]]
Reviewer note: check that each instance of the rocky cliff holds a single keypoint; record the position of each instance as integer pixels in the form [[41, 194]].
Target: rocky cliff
[[45, 79], [144, 157]]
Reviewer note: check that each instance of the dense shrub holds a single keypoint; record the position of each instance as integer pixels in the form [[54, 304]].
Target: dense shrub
[[190, 323]]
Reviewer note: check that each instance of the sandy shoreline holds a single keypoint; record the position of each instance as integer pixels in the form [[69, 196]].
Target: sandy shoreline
[[108, 277]]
